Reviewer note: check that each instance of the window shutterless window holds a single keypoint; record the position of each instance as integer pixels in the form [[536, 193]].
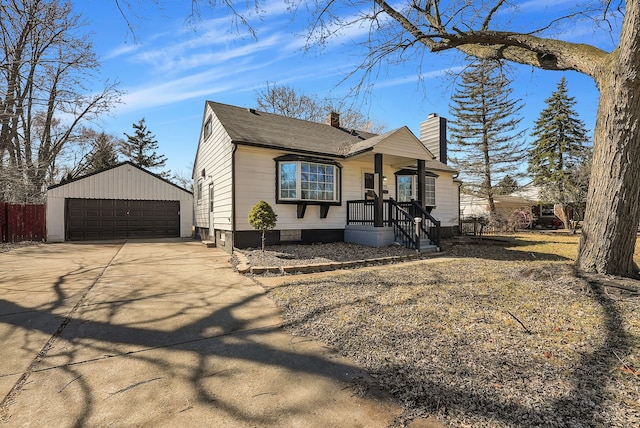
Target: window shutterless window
[[405, 188], [430, 191], [300, 180], [208, 128], [408, 185], [199, 191]]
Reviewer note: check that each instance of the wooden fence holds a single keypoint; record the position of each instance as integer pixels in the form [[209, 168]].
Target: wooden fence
[[22, 222]]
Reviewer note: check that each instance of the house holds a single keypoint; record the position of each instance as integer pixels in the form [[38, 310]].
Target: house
[[124, 201], [326, 183], [526, 200]]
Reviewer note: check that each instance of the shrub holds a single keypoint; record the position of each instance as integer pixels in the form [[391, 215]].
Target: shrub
[[262, 218]]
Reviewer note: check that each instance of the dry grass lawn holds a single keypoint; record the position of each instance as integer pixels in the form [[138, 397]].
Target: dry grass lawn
[[505, 335]]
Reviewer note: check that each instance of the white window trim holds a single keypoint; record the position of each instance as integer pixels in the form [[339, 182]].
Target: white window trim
[[199, 191], [208, 128], [298, 163], [428, 202], [431, 200]]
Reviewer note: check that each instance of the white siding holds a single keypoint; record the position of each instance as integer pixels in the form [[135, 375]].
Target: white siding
[[215, 158], [256, 180], [447, 205], [403, 144], [123, 182]]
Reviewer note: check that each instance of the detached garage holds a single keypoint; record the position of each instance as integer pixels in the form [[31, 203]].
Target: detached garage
[[122, 202]]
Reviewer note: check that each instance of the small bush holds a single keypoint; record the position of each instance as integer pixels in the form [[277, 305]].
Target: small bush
[[262, 218]]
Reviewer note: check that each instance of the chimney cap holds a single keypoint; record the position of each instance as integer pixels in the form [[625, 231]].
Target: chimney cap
[[251, 110]]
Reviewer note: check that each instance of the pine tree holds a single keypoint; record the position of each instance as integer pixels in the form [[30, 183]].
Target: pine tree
[[486, 142], [140, 148], [559, 160], [506, 186], [103, 153], [559, 145]]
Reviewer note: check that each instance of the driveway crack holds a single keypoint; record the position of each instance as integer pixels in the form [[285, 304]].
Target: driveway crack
[[17, 387]]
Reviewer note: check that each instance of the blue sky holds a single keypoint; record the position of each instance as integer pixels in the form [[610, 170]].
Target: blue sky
[[172, 67]]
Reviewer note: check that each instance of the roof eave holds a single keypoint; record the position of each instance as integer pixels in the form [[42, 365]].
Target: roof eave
[[288, 149]]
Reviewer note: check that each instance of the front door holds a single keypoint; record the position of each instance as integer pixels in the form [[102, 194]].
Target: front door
[[368, 184]]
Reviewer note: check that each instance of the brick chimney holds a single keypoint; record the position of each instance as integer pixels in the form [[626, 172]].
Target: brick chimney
[[433, 134], [333, 119]]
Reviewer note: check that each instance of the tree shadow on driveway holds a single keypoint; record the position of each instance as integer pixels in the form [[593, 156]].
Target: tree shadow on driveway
[[146, 342]]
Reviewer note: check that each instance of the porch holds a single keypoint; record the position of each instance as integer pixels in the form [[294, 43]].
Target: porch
[[379, 223]]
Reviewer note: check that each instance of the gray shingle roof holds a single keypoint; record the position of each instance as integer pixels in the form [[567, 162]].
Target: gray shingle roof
[[262, 129], [253, 127]]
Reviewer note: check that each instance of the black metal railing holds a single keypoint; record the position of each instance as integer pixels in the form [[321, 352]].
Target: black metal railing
[[402, 217], [429, 226]]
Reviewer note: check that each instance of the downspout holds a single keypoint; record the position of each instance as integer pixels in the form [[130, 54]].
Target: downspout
[[233, 196]]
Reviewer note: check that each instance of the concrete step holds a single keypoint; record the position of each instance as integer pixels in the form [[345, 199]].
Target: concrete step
[[428, 248], [209, 244]]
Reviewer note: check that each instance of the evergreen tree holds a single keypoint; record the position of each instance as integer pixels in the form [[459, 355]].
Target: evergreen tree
[[486, 142], [506, 186], [559, 157], [103, 153], [140, 148]]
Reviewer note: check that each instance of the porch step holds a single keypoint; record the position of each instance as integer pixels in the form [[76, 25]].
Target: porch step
[[209, 244], [428, 248]]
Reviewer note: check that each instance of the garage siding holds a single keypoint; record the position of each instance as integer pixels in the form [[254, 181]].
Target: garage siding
[[129, 184]]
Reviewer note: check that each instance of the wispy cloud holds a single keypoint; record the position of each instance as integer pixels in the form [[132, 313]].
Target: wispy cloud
[[538, 5], [414, 78]]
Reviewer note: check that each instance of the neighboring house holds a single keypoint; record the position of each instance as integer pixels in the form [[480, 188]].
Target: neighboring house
[[124, 201], [321, 179], [524, 200]]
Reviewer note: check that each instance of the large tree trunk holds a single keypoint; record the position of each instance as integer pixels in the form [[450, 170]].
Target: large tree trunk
[[611, 221]]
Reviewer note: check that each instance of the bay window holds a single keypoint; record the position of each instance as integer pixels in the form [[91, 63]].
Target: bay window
[[307, 180]]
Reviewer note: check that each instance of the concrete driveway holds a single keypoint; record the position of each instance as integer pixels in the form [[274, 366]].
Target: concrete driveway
[[160, 333]]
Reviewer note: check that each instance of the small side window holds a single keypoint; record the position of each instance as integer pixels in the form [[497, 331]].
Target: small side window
[[208, 128], [199, 192], [211, 197], [430, 191]]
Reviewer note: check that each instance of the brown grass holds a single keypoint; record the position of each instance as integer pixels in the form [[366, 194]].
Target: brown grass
[[507, 335]]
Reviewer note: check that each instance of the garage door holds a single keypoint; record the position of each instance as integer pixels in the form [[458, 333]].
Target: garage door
[[90, 219]]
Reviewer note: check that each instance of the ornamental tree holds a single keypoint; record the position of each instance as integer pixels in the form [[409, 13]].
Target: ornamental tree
[[262, 218]]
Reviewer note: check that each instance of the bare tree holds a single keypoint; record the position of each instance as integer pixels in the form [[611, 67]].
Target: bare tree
[[44, 99], [286, 101], [95, 151]]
